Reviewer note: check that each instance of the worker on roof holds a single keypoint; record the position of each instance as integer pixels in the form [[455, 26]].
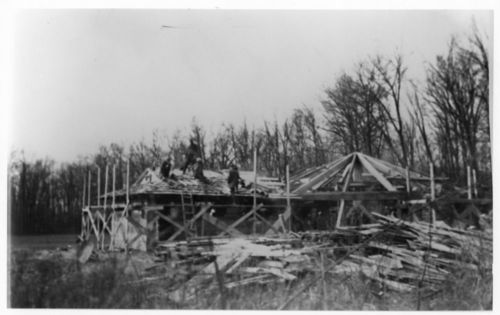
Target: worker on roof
[[198, 172], [234, 179], [166, 167], [191, 154]]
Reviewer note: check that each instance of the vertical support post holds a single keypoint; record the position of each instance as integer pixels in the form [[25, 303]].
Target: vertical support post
[[83, 194], [113, 204], [433, 193], [288, 204], [407, 179], [98, 186], [433, 183], [348, 179], [469, 186], [474, 181], [340, 213], [255, 187], [88, 192], [106, 186], [128, 183]]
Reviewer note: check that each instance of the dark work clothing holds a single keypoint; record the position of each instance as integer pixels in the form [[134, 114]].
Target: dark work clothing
[[165, 169], [198, 173], [191, 155], [190, 159], [233, 180]]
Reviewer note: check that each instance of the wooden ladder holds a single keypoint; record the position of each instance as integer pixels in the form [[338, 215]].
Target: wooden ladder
[[188, 211]]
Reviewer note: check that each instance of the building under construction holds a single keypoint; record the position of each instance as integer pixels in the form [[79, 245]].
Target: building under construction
[[344, 192]]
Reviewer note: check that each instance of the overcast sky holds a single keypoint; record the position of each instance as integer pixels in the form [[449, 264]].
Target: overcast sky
[[90, 77]]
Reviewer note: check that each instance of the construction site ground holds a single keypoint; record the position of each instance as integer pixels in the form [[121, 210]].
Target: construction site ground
[[387, 265]]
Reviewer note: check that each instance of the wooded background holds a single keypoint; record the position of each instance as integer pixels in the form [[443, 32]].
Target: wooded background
[[375, 109]]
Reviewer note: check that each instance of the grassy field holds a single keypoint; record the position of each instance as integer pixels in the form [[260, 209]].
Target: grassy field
[[53, 279]]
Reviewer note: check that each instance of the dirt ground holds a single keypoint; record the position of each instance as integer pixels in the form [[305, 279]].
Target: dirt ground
[[36, 242], [44, 273]]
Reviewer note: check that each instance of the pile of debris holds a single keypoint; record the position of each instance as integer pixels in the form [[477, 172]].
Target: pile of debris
[[398, 254]]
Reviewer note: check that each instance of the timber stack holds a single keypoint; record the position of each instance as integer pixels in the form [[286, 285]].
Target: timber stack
[[399, 255]]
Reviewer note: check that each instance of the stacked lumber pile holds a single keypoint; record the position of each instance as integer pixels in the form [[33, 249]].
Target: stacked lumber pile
[[400, 255]]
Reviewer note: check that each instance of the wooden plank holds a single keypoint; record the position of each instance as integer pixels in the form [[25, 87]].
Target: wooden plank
[[469, 183], [274, 271], [277, 224], [474, 182], [398, 169], [140, 229], [113, 201], [259, 279], [89, 189], [241, 259], [267, 223], [344, 189], [106, 186], [378, 176], [98, 192], [96, 232], [83, 192], [357, 195]]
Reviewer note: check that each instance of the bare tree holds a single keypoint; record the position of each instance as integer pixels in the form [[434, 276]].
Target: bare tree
[[390, 75], [353, 115], [454, 89]]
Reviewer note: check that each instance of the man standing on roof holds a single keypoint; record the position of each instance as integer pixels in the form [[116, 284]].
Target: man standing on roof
[[165, 168], [234, 179], [198, 172], [191, 154]]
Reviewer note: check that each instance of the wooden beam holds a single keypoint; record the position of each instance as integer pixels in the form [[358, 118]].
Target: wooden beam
[[344, 189], [433, 183], [98, 193], [408, 180], [128, 181], [288, 204], [474, 183], [358, 195], [83, 193], [169, 220], [339, 213], [287, 215], [193, 219], [113, 204], [88, 190], [480, 201], [269, 224], [106, 185], [96, 231], [389, 167], [243, 218], [255, 185], [378, 176], [469, 184], [433, 194], [221, 225], [332, 171]]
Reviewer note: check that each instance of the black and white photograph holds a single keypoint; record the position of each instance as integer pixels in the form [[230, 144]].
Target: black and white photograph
[[250, 159]]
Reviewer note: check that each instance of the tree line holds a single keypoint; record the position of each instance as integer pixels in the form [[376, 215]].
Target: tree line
[[375, 108]]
